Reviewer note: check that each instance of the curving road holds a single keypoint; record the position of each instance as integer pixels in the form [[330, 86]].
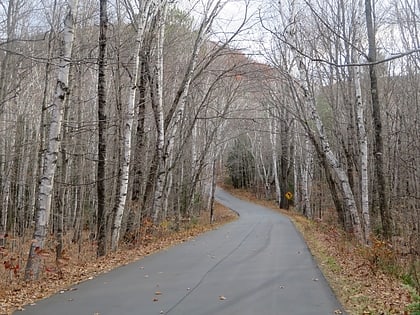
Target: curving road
[[257, 265]]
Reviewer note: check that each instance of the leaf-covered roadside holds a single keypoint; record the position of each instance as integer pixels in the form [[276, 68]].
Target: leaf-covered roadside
[[16, 293], [362, 286]]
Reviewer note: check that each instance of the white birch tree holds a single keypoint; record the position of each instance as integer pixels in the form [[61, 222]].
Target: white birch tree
[[158, 201], [53, 145], [274, 156], [328, 154], [320, 138], [176, 112], [364, 157], [143, 17], [306, 170]]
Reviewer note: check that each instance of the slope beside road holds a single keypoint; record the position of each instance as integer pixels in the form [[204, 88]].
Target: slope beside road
[[258, 264]]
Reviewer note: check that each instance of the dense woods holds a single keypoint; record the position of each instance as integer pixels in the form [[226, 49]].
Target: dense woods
[[117, 115]]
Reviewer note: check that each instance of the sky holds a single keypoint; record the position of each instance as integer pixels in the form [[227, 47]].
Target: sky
[[252, 36], [230, 19]]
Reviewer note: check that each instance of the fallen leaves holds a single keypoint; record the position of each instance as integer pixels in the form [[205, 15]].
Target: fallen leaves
[[12, 264], [360, 290]]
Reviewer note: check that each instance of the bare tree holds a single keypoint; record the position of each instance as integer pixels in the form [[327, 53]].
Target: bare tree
[[143, 18], [380, 169], [304, 93], [364, 176], [158, 201], [53, 143], [102, 121]]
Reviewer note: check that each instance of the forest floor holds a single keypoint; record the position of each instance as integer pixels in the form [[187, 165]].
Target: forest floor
[[365, 279], [80, 263]]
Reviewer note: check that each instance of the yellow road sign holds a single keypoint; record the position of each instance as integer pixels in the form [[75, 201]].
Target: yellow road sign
[[288, 195]]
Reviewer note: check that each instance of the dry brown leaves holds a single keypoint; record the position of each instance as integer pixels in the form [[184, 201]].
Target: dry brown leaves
[[16, 293], [362, 288]]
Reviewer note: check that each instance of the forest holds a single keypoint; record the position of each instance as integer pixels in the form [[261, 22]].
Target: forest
[[120, 115]]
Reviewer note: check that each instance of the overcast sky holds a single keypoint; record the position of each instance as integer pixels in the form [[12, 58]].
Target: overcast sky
[[230, 19]]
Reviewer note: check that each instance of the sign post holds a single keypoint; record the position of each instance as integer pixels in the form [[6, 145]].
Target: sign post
[[289, 196]]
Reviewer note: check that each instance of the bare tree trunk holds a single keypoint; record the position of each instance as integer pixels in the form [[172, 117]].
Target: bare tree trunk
[[195, 163], [284, 170], [11, 23], [382, 191], [320, 141], [158, 111], [49, 167], [40, 143], [330, 158], [273, 140], [363, 145], [79, 191], [16, 177], [138, 181], [216, 152], [100, 186], [128, 126], [212, 188], [6, 76], [176, 112], [306, 173], [262, 169], [62, 193]]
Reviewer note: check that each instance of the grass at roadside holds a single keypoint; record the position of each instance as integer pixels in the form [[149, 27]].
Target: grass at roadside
[[351, 269]]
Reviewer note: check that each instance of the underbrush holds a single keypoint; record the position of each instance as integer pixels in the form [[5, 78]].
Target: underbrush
[[414, 307]]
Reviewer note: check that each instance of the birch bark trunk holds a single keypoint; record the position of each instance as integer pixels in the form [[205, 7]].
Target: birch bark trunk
[[53, 144], [274, 156], [140, 158], [159, 118], [264, 174], [42, 130], [212, 191], [363, 146], [306, 179], [127, 137], [320, 140], [176, 112], [328, 154], [62, 191], [342, 176]]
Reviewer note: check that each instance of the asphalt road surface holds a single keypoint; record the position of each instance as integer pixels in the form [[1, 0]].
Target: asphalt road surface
[[257, 265]]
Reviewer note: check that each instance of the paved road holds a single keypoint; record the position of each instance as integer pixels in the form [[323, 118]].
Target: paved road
[[257, 265]]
